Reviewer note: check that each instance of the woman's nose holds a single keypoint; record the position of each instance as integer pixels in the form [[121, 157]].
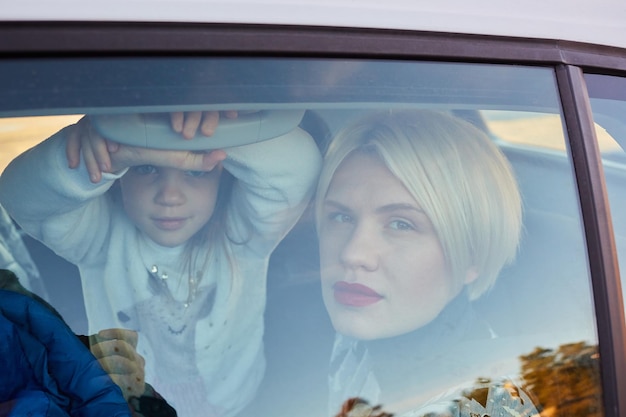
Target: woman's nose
[[170, 191], [360, 249]]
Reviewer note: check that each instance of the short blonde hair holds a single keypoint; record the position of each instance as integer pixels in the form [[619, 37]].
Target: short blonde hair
[[458, 176]]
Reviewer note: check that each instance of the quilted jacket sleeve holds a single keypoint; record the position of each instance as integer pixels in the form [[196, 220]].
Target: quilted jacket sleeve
[[47, 371]]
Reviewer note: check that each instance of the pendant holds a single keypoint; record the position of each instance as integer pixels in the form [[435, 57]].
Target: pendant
[[176, 332], [154, 270]]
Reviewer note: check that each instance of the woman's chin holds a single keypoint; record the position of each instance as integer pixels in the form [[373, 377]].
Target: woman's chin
[[357, 328]]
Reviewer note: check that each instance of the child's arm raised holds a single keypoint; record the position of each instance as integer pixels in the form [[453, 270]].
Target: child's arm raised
[[104, 156], [63, 206], [276, 179]]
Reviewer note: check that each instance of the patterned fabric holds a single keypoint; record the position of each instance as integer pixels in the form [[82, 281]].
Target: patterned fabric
[[350, 373], [428, 372], [15, 257], [503, 399]]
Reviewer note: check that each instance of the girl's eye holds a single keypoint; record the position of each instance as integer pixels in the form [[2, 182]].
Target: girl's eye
[[145, 169], [401, 225], [340, 218], [196, 174]]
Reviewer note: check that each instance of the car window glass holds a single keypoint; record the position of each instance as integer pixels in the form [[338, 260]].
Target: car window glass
[[438, 266], [608, 103]]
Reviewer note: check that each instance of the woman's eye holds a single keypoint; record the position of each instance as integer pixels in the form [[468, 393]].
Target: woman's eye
[[196, 174], [401, 225], [145, 169]]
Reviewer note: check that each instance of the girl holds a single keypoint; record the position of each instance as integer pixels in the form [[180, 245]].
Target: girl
[[173, 245]]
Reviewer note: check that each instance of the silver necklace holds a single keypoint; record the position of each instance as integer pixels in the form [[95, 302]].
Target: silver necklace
[[192, 289]]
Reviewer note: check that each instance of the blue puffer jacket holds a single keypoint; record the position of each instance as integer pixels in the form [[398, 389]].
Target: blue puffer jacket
[[45, 370]]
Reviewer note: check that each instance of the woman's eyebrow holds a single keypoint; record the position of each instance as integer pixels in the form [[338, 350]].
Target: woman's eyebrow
[[336, 205], [399, 207], [387, 208]]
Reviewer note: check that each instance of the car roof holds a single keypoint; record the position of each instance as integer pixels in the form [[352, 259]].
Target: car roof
[[601, 22]]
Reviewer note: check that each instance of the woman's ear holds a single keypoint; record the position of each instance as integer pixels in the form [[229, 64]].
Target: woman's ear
[[470, 275]]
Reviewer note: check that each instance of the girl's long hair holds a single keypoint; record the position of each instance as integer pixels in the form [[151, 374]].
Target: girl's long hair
[[212, 239]]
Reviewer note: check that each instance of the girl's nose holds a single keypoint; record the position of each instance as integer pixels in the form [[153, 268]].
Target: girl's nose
[[170, 190], [360, 249]]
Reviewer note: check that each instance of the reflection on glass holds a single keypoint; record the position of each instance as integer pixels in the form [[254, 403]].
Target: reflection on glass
[[181, 221], [448, 274], [405, 246], [608, 102]]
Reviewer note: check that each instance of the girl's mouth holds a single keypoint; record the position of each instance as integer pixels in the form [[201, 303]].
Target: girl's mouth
[[355, 295], [169, 223]]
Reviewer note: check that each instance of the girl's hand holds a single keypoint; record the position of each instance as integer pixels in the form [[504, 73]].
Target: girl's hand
[[128, 156], [95, 150], [116, 352], [102, 155], [188, 123]]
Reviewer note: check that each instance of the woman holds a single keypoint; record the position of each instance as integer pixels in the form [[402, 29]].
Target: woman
[[417, 212]]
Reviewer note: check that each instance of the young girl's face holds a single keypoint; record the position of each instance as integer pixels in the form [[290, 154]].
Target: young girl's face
[[167, 204], [382, 266]]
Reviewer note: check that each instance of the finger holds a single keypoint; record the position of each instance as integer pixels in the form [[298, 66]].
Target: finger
[[94, 151], [201, 161], [191, 124], [231, 114], [115, 348], [183, 160], [120, 365], [72, 147], [210, 120], [83, 136], [119, 353], [107, 348], [131, 385], [177, 119], [90, 161], [129, 336], [100, 151], [130, 376], [198, 161], [112, 147], [213, 158]]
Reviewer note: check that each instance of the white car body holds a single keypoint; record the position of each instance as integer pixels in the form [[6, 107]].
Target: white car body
[[599, 22]]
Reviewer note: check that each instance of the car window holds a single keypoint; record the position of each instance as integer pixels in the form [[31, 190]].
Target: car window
[[392, 236], [608, 103]]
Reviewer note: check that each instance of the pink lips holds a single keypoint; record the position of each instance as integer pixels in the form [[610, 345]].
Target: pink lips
[[355, 295], [169, 223]]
